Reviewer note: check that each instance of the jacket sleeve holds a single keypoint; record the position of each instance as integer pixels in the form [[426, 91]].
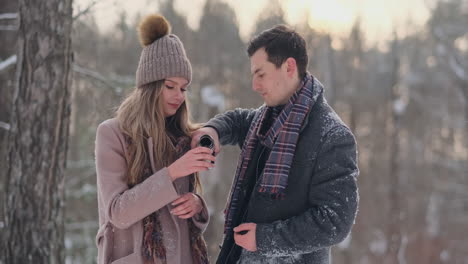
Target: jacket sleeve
[[333, 199], [201, 219], [124, 206], [232, 126]]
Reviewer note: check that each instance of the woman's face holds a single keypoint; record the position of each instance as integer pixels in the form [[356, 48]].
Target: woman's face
[[173, 94]]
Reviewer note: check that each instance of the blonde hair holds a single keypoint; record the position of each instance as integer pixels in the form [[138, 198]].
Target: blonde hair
[[141, 116]]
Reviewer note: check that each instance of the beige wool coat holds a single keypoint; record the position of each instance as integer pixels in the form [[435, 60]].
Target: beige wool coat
[[121, 210]]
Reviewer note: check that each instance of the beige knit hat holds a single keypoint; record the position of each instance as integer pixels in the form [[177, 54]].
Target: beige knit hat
[[163, 54]]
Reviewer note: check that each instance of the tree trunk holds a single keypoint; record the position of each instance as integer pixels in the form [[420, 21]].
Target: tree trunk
[[395, 226], [7, 75], [464, 89], [330, 77], [37, 142]]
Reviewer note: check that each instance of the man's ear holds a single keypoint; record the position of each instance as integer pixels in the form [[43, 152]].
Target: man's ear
[[291, 67]]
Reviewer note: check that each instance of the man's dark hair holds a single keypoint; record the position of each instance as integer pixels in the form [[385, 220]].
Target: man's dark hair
[[280, 43]]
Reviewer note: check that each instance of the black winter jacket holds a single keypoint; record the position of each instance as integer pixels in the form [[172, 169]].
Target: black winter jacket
[[321, 200]]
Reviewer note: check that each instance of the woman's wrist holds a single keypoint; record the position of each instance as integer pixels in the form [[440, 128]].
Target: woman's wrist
[[170, 170], [199, 201]]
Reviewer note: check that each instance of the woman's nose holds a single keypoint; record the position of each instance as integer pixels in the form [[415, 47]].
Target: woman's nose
[[180, 95]]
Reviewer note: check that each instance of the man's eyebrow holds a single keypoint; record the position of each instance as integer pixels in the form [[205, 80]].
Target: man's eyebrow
[[257, 70]]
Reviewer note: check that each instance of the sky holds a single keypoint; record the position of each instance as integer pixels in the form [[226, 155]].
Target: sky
[[379, 18]]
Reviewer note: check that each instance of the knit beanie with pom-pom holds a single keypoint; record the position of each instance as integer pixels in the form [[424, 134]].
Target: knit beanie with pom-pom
[[163, 54]]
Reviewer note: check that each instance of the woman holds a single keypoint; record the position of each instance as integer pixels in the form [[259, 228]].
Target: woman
[[147, 179]]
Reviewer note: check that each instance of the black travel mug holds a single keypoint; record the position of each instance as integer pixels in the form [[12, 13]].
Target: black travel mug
[[207, 142]]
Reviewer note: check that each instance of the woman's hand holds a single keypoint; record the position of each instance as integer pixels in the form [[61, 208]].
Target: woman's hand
[[195, 160], [187, 206]]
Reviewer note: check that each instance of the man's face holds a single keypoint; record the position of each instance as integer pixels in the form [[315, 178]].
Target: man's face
[[267, 80]]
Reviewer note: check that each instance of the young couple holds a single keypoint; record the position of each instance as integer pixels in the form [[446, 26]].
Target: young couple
[[294, 194]]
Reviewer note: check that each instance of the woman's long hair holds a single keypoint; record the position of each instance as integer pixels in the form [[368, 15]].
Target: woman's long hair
[[141, 116]]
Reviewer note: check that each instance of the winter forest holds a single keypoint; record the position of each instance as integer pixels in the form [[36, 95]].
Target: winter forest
[[405, 99]]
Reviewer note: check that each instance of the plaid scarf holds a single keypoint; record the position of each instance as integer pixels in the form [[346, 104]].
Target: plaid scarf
[[281, 138], [153, 248]]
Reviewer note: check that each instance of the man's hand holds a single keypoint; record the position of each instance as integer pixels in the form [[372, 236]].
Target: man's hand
[[205, 131], [244, 235]]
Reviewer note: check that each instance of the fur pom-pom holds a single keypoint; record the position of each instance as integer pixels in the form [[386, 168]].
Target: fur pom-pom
[[152, 28]]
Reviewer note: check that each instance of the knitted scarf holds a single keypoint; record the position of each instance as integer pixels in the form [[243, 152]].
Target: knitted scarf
[[153, 249], [281, 138]]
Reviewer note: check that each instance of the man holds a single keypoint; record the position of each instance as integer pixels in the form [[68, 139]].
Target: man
[[294, 194]]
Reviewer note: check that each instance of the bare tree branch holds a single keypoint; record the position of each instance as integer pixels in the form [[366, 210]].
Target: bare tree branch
[[454, 62], [8, 62], [82, 225], [457, 68], [97, 76], [8, 16], [4, 125], [86, 10], [80, 164]]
